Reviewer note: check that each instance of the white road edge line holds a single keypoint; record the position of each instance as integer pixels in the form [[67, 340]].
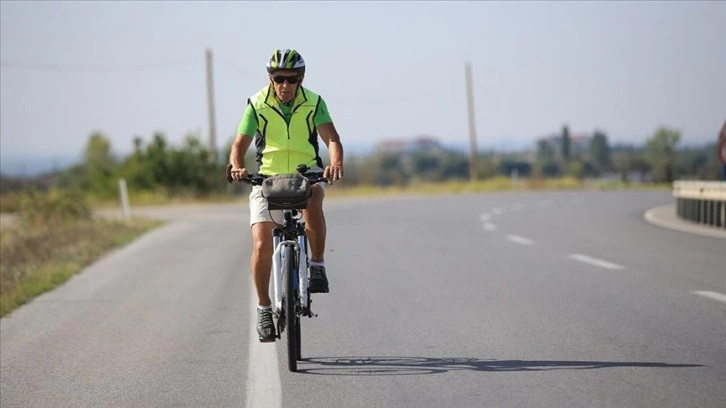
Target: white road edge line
[[520, 240], [264, 387], [595, 262], [712, 295]]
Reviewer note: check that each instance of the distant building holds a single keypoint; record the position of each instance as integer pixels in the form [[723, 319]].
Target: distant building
[[419, 144]]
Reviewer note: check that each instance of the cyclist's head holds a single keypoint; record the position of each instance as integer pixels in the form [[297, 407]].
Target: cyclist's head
[[286, 60], [286, 69]]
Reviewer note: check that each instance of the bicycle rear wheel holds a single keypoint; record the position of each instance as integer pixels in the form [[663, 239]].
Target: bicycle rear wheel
[[291, 317]]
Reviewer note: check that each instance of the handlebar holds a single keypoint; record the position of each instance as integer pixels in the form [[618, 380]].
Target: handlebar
[[257, 179]]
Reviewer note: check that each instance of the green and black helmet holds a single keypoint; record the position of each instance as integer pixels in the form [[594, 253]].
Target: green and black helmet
[[286, 59]]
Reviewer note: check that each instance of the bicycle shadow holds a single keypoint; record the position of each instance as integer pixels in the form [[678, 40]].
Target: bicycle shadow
[[361, 366]]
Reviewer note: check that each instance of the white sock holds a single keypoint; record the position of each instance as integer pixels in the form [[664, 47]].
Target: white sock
[[322, 263], [269, 307]]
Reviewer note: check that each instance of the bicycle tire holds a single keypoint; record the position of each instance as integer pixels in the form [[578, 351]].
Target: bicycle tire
[[304, 272], [298, 354], [291, 318]]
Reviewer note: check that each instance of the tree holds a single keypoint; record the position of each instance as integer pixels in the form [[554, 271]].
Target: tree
[[565, 144], [547, 169], [157, 159], [135, 169], [426, 165], [600, 150], [99, 164], [660, 151], [699, 163], [544, 151], [455, 166], [545, 164], [508, 167], [388, 169]]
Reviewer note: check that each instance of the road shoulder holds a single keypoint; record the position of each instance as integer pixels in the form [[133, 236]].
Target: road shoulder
[[665, 216]]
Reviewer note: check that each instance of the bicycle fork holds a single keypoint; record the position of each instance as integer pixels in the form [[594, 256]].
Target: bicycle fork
[[299, 249], [277, 271]]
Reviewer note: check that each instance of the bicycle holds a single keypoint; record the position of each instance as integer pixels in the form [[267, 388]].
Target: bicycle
[[291, 296]]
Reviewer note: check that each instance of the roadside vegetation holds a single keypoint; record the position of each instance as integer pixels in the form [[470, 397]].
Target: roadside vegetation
[[53, 238], [54, 235]]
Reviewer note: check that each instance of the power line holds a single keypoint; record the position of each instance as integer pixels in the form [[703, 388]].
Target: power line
[[30, 66]]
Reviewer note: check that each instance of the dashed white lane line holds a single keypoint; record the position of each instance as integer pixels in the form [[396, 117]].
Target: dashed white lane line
[[712, 295], [595, 262], [490, 227], [263, 374], [520, 240], [484, 217], [497, 211]]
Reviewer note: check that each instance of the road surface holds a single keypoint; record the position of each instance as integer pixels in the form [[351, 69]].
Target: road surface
[[551, 299]]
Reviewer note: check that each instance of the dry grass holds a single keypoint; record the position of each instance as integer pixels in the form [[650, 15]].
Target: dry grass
[[35, 260]]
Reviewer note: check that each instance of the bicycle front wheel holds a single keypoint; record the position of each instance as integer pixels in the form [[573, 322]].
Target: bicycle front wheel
[[291, 318]]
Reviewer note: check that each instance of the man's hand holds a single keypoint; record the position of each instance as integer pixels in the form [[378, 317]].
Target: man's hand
[[333, 173], [238, 174]]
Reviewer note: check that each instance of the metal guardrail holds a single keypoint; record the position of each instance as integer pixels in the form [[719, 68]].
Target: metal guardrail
[[703, 202]]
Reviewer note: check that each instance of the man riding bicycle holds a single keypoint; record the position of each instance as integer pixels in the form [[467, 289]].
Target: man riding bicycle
[[284, 119]]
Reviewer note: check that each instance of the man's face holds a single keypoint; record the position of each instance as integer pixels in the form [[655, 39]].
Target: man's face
[[285, 83]]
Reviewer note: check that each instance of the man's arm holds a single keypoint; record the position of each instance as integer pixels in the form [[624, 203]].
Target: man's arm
[[247, 127], [237, 156], [330, 136]]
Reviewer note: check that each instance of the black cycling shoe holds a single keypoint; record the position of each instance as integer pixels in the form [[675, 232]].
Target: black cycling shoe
[[318, 280], [265, 325]]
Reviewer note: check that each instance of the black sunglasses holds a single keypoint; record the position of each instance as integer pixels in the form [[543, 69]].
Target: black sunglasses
[[290, 79]]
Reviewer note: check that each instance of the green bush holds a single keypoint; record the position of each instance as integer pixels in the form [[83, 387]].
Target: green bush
[[57, 207]]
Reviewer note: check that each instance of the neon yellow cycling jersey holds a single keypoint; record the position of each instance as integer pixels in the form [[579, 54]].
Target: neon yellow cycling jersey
[[286, 134]]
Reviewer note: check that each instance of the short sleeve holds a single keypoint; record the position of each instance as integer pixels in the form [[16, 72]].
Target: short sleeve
[[248, 124], [322, 115]]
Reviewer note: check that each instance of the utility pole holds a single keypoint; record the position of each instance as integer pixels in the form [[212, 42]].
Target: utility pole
[[210, 105], [473, 151]]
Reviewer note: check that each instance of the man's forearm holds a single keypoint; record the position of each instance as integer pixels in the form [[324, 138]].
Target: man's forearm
[[236, 159], [238, 151], [336, 153]]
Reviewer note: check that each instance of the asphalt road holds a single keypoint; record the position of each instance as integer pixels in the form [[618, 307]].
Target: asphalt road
[[556, 299]]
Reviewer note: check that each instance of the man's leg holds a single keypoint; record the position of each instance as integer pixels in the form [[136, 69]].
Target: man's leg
[[316, 231], [261, 262], [315, 227]]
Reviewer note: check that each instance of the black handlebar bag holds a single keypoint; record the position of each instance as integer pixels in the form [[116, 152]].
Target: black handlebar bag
[[286, 192]]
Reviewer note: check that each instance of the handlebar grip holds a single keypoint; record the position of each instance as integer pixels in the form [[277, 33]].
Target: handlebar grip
[[316, 178], [229, 174], [252, 179]]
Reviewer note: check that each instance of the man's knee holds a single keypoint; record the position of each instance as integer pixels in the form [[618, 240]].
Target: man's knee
[[262, 239], [263, 248], [315, 203]]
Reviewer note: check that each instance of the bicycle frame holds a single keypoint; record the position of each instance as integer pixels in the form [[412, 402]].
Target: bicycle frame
[[292, 227]]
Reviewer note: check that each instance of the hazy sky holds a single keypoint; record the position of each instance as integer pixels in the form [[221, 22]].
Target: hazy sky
[[386, 69]]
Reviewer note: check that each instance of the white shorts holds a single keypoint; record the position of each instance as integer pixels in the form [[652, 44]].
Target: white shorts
[[259, 211]]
